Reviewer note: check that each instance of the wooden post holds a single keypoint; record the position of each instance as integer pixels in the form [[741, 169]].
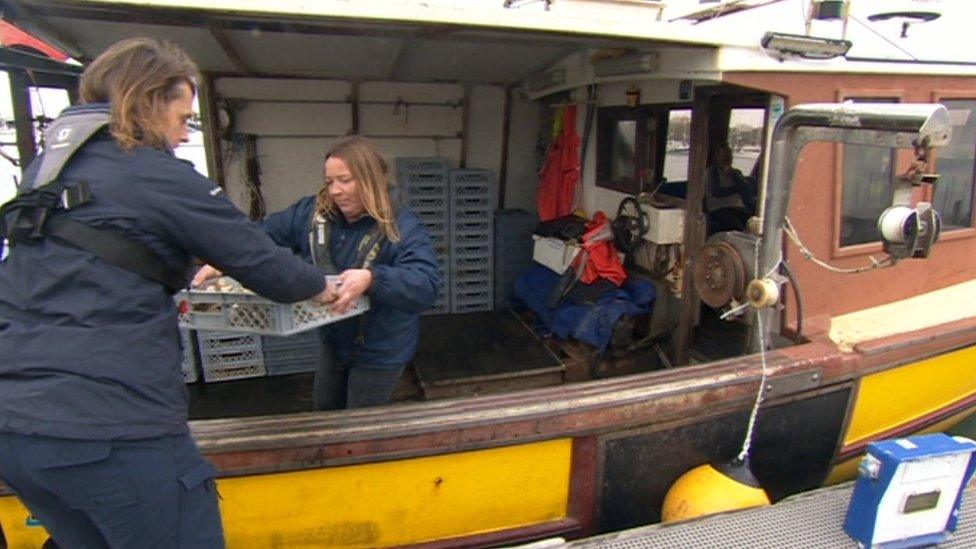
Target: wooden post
[[694, 236], [210, 119]]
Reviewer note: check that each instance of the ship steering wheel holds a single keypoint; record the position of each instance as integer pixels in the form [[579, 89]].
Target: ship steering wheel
[[630, 225]]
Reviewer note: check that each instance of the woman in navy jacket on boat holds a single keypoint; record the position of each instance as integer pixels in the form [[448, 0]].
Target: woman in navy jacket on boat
[[93, 408], [352, 228]]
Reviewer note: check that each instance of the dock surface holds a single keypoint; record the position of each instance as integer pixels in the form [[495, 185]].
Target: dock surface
[[808, 520]]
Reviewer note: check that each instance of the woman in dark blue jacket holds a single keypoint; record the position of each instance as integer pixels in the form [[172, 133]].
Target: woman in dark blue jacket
[[93, 408], [352, 228]]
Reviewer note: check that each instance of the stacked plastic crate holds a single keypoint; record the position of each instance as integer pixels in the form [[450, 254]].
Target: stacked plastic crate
[[424, 184], [472, 273], [189, 366], [292, 354], [513, 251], [228, 355]]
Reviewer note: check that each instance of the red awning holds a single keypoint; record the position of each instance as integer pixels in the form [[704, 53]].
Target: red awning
[[11, 36]]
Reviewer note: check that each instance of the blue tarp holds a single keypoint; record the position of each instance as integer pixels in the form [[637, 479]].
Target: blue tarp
[[587, 322]]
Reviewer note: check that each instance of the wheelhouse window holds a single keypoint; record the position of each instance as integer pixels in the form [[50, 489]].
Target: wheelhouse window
[[953, 197], [640, 148], [678, 145], [866, 187], [746, 139]]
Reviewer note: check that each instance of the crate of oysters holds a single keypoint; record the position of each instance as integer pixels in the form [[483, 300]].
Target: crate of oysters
[[225, 305]]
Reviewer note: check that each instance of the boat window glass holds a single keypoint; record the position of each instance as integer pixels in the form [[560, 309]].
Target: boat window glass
[[617, 145], [953, 197], [624, 145], [638, 149], [678, 145], [745, 138], [866, 186]]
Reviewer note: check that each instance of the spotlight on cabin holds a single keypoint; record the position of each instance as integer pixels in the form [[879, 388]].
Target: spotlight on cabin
[[808, 47]]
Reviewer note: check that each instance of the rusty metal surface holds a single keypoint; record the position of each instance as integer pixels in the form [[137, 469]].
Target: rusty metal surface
[[720, 275]]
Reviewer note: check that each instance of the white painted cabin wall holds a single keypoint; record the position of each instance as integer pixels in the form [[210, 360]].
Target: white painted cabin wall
[[294, 132], [523, 134], [297, 120], [485, 129]]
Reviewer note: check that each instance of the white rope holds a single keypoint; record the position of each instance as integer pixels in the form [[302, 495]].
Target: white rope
[[747, 442], [734, 311], [808, 255]]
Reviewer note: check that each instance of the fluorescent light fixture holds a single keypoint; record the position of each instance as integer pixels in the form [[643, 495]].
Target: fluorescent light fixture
[[809, 47], [545, 80], [631, 63]]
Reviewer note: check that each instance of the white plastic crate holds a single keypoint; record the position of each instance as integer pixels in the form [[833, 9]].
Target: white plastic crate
[[472, 177], [189, 365], [227, 355], [432, 216], [427, 203], [472, 227], [470, 191], [250, 313], [464, 215], [471, 203], [412, 164], [242, 365], [424, 182], [435, 226], [471, 250], [474, 262]]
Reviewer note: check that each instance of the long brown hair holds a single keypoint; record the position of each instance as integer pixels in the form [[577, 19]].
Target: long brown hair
[[369, 170], [138, 77]]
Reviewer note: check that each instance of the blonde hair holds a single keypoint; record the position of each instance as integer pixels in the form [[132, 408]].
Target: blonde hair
[[138, 77], [369, 170]]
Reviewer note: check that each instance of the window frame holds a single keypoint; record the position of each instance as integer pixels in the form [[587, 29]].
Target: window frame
[[964, 232], [864, 248], [609, 116]]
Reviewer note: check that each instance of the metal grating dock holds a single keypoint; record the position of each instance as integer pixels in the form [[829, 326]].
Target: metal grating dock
[[812, 519]]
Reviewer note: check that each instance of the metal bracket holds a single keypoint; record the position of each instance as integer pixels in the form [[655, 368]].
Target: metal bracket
[[793, 383]]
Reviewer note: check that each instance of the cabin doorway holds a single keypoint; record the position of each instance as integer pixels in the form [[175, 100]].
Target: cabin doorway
[[729, 125]]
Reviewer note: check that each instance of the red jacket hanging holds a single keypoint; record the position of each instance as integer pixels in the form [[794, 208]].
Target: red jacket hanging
[[561, 172]]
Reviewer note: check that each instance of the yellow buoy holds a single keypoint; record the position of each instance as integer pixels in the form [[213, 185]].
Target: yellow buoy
[[709, 489]]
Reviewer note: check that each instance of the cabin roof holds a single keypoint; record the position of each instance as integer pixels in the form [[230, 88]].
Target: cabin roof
[[880, 41], [480, 42], [365, 39]]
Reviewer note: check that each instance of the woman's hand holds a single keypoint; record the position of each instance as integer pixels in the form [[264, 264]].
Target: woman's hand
[[350, 286], [328, 295], [204, 274]]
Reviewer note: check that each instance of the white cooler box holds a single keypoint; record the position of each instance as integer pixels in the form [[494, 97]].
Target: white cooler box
[[554, 253]]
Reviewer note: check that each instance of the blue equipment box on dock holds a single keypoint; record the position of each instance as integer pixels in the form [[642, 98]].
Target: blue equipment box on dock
[[908, 491]]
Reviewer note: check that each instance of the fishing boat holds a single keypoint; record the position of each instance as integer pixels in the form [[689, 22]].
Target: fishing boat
[[793, 342]]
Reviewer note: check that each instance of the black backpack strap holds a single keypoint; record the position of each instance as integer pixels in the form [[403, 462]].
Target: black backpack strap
[[116, 249], [369, 247]]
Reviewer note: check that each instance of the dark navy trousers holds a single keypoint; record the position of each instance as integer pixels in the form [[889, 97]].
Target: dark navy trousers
[[338, 385], [157, 492]]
